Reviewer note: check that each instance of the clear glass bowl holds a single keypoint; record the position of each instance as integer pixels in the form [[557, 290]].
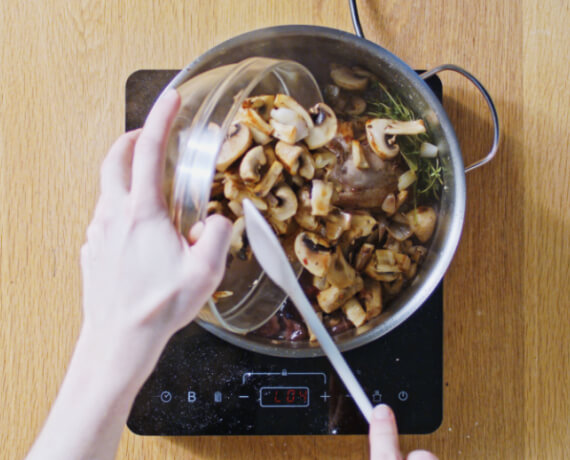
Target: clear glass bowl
[[214, 97]]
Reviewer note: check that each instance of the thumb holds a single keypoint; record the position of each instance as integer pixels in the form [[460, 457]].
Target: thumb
[[383, 435], [212, 245]]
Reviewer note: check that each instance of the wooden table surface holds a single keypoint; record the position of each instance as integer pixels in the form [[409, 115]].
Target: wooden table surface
[[63, 67]]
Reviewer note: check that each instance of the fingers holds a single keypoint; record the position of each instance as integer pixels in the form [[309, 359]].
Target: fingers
[[383, 435], [148, 161], [116, 167], [421, 455], [211, 248]]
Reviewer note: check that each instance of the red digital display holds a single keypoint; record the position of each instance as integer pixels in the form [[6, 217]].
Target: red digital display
[[284, 397]]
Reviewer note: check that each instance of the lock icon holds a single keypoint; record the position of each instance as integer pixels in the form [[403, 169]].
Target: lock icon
[[376, 397]]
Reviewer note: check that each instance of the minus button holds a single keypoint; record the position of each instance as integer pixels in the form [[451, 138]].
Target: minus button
[[243, 397]]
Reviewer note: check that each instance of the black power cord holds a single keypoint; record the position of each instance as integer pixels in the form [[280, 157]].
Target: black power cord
[[355, 18]]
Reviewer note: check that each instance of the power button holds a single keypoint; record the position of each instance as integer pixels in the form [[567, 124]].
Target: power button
[[403, 395]]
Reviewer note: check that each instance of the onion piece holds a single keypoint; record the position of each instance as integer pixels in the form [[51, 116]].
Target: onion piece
[[406, 179], [428, 150]]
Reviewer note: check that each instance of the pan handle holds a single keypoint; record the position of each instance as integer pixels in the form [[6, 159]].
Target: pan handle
[[483, 91]]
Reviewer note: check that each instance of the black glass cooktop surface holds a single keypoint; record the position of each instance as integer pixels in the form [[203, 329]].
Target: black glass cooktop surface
[[205, 386]]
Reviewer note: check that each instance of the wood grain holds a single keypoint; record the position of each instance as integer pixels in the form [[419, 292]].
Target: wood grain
[[63, 68]]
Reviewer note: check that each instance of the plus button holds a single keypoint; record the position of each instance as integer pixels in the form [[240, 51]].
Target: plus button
[[325, 396]]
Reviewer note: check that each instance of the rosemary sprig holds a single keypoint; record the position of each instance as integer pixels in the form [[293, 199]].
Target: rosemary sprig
[[382, 104]]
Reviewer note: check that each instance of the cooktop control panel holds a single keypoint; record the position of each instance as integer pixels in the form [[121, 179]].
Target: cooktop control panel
[[205, 386]]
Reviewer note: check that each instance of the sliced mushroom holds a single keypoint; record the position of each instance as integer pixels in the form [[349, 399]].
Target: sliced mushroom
[[253, 119], [314, 253], [304, 217], [394, 287], [381, 144], [320, 282], [324, 159], [269, 152], [422, 222], [236, 144], [412, 127], [236, 238], [306, 165], [399, 231], [236, 208], [333, 297], [269, 180], [372, 297], [389, 204], [284, 101], [233, 191], [324, 128], [214, 207], [361, 224], [306, 220], [261, 104], [358, 157], [340, 273], [354, 312], [337, 222], [417, 253], [363, 256], [289, 154], [286, 203], [321, 196], [356, 106], [281, 227], [251, 164], [288, 125], [347, 79], [383, 266], [259, 136], [381, 134]]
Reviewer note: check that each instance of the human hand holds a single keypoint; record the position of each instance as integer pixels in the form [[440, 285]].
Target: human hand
[[383, 438], [142, 281]]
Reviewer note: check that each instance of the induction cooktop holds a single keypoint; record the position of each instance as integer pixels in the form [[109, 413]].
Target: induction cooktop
[[205, 386]]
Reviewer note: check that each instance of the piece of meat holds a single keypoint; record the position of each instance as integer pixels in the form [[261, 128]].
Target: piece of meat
[[362, 188]]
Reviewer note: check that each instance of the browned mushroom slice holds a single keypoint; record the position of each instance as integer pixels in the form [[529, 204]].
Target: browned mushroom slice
[[383, 266], [284, 101], [314, 253], [261, 104], [358, 157], [236, 239], [214, 207], [363, 256], [347, 79], [337, 222], [236, 144], [361, 224], [269, 180], [354, 312], [356, 106], [321, 196], [340, 273], [289, 154], [250, 166], [371, 294], [234, 191], [286, 205], [334, 297]]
